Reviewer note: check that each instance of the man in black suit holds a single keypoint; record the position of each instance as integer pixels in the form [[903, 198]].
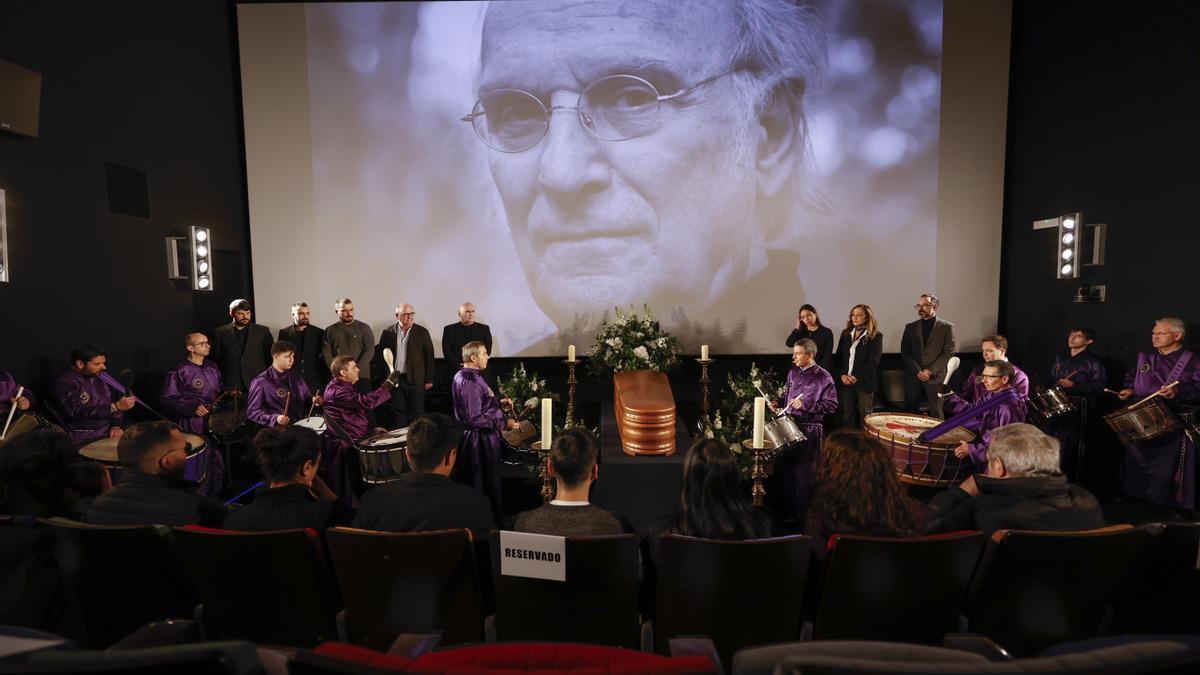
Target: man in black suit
[[241, 349], [458, 334], [926, 347], [412, 351], [426, 498], [308, 340]]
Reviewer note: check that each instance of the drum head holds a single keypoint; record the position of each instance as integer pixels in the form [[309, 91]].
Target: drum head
[[387, 439], [907, 427], [315, 423], [103, 450], [22, 425], [196, 444]]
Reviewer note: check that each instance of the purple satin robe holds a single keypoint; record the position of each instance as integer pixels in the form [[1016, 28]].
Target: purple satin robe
[[345, 411], [1010, 412], [188, 386], [268, 391], [476, 406], [797, 467], [973, 390], [1162, 470], [8, 389], [82, 405], [1085, 370]]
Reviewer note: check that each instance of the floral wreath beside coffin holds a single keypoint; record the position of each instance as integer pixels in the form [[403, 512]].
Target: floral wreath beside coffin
[[733, 421]]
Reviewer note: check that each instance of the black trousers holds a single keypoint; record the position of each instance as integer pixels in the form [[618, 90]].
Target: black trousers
[[408, 403]]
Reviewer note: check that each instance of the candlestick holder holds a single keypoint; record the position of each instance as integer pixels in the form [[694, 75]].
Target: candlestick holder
[[547, 482], [759, 471], [704, 385], [571, 390]]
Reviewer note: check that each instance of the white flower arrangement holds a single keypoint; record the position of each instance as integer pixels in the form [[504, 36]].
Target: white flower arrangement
[[633, 342]]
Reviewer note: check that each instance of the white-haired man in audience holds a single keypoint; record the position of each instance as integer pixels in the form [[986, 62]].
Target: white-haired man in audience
[[1023, 489]]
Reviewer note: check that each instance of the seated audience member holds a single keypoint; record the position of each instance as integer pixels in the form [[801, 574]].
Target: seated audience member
[[572, 462], [89, 480], [1023, 490], [293, 496], [152, 489], [857, 492], [426, 498], [714, 502], [36, 475]]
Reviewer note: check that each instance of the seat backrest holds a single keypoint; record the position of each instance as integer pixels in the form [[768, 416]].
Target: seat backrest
[[904, 590], [124, 576], [407, 582], [738, 593], [1161, 593], [265, 587], [597, 604], [1035, 589]]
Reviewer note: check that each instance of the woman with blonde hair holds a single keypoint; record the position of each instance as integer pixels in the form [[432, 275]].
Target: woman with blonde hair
[[857, 363]]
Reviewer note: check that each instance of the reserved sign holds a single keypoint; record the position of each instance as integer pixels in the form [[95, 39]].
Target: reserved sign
[[535, 556]]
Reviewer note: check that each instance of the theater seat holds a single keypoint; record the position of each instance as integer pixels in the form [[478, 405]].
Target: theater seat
[[209, 658], [1161, 594]]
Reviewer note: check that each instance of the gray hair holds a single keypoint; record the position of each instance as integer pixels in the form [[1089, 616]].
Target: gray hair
[[1025, 450], [472, 349], [1176, 324], [806, 345]]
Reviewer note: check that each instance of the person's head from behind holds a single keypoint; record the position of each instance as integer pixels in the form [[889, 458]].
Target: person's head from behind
[[156, 448], [1019, 450], [613, 136], [88, 479], [36, 462], [288, 454], [433, 443], [572, 460], [715, 501], [857, 490]]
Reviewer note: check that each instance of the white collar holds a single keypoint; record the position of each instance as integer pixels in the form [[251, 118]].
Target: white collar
[[559, 502]]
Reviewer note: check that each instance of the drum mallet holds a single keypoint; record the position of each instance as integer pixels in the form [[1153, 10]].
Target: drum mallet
[[12, 411]]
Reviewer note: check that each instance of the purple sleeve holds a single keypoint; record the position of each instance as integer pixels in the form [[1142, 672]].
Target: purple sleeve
[[967, 391], [255, 406], [175, 399], [998, 417], [1189, 382], [1021, 384], [66, 394], [827, 399], [475, 408]]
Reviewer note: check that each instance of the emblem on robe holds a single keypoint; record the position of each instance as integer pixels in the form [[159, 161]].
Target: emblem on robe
[[281, 392], [84, 397], [978, 379], [197, 384], [1145, 368]]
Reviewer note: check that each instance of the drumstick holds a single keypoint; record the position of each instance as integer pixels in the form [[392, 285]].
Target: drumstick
[[1110, 391], [1154, 394], [12, 411], [387, 358], [218, 399], [312, 407], [287, 402]]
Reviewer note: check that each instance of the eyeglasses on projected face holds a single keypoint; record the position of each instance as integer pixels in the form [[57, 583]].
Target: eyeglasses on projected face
[[613, 108]]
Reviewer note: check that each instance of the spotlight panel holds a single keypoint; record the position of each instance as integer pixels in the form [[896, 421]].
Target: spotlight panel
[[202, 273], [1067, 262]]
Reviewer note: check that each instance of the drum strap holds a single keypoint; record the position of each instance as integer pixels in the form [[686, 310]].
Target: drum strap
[[1182, 363], [342, 435]]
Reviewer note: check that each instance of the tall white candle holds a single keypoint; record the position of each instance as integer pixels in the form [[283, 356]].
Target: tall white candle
[[571, 353], [760, 413], [547, 423], [703, 352]]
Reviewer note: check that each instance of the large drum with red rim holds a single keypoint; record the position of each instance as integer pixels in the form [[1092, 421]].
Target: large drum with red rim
[[931, 464]]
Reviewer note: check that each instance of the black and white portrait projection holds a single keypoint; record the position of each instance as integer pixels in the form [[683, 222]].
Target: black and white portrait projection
[[722, 162]]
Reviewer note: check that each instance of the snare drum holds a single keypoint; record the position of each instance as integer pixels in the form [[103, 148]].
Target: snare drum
[[316, 423], [783, 432], [1050, 403], [381, 457], [230, 426], [931, 464], [105, 450], [1143, 421]]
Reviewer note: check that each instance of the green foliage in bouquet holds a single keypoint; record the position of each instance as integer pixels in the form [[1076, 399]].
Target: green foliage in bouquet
[[733, 421], [632, 342]]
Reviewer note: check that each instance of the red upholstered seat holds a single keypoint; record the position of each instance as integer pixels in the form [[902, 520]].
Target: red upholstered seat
[[525, 657]]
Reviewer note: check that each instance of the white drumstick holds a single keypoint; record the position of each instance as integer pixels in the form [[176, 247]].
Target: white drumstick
[[951, 366], [11, 412], [387, 358]]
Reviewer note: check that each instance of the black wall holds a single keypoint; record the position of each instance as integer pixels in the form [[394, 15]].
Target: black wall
[[145, 84], [1104, 118]]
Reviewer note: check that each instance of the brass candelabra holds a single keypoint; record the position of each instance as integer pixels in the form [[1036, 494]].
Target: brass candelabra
[[704, 385], [758, 472]]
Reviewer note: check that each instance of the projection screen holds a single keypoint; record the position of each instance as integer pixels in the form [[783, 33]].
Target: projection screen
[[719, 162]]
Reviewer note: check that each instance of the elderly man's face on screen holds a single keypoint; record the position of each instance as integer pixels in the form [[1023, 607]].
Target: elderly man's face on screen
[[628, 162]]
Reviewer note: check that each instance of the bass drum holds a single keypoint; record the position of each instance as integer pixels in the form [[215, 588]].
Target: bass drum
[[27, 422], [931, 464], [381, 457], [229, 426]]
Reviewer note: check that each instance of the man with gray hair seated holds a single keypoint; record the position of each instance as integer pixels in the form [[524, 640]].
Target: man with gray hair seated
[[1023, 490]]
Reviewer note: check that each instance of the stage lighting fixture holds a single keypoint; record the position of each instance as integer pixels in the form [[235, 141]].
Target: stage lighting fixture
[[1068, 246], [202, 276]]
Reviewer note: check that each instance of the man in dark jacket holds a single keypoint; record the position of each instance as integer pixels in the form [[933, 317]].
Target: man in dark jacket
[[152, 490], [309, 341], [241, 349], [1023, 490], [412, 354]]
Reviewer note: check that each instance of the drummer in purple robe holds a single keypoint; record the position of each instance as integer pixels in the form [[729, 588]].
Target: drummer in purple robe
[[83, 403], [996, 377], [279, 396], [478, 409], [189, 391], [1081, 375], [345, 410], [8, 396], [1162, 470], [973, 389], [811, 395]]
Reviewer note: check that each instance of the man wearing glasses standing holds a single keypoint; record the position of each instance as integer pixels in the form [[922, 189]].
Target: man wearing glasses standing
[[190, 388], [412, 354], [1162, 470], [926, 347], [645, 152]]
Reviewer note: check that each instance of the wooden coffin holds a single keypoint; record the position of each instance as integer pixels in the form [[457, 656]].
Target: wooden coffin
[[645, 411]]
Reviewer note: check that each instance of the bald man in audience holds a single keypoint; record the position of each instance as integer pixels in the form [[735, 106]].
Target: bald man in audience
[[152, 490]]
